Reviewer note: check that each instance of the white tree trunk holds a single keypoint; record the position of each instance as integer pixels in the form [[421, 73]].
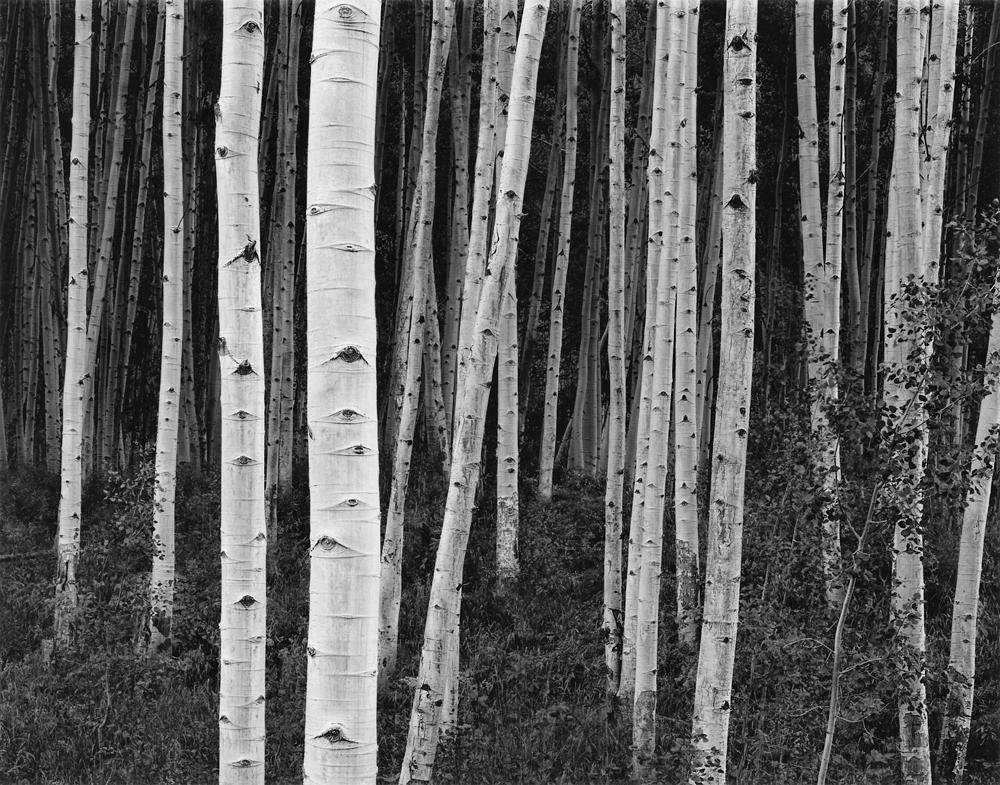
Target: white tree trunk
[[74, 386], [907, 354], [612, 620], [557, 302], [241, 355], [713, 686], [436, 674], [664, 213], [419, 258], [965, 614], [341, 687], [686, 355], [162, 577]]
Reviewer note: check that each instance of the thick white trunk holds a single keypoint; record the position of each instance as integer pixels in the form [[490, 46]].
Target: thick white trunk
[[241, 354], [713, 686], [340, 732]]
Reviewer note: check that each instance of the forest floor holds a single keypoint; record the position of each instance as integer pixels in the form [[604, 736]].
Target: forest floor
[[532, 679]]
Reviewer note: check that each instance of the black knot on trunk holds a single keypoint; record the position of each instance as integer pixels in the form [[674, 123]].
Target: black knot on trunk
[[349, 354], [244, 369], [247, 601]]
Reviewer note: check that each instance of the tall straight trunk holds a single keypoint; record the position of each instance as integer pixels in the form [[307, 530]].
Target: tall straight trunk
[[937, 131], [711, 259], [74, 387], [611, 625], [161, 581], [640, 420], [547, 218], [822, 266], [108, 215], [508, 431], [241, 356], [340, 732], [438, 671], [851, 270], [713, 686], [419, 258], [905, 354], [664, 213], [870, 352], [965, 614], [475, 263], [558, 296], [686, 351]]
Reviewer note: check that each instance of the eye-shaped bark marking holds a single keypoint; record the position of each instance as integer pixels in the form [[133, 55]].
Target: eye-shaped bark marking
[[243, 460], [222, 151], [251, 27], [354, 449], [247, 601], [244, 369], [260, 537], [335, 735], [242, 414], [347, 416], [244, 763], [351, 14], [350, 354], [224, 720]]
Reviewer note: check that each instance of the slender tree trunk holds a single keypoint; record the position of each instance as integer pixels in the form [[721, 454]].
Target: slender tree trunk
[[903, 398], [419, 257], [558, 296], [74, 388], [612, 620], [340, 735], [713, 687], [672, 22], [965, 614], [685, 358], [161, 579], [437, 671], [241, 356]]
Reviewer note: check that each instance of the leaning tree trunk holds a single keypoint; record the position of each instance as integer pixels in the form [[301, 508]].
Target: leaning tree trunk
[[241, 355], [161, 579], [419, 256], [74, 387], [713, 687], [965, 614], [437, 672], [341, 686]]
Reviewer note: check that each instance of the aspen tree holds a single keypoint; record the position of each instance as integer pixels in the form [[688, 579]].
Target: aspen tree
[[508, 421], [74, 388], [906, 349], [437, 670], [611, 623], [419, 256], [686, 351], [655, 227], [558, 295], [664, 214], [475, 264], [241, 356], [340, 733], [822, 266], [459, 96], [162, 577], [713, 687], [965, 613]]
